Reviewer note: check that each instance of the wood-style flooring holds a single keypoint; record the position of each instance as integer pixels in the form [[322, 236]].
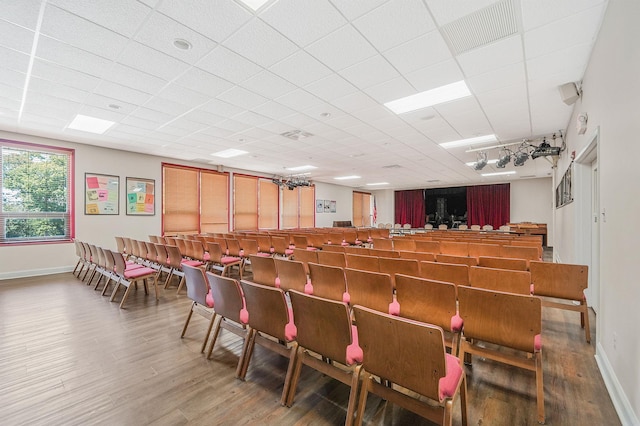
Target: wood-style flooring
[[70, 357]]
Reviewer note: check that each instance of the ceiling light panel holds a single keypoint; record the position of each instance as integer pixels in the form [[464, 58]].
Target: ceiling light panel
[[469, 141], [512, 172], [429, 98], [301, 168], [89, 124], [347, 177], [228, 153]]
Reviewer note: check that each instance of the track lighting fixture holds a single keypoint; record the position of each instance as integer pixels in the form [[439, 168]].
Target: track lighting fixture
[[482, 161]]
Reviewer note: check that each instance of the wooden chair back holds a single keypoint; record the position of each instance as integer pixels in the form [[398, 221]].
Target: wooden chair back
[[455, 248], [428, 246], [267, 306], [447, 272], [370, 289], [264, 243], [332, 258], [305, 256], [420, 257], [362, 251], [560, 280], [502, 263], [461, 260], [291, 274], [505, 280], [384, 253], [424, 300], [281, 246], [264, 270], [328, 281], [227, 296], [300, 241], [404, 244], [365, 263], [333, 247], [382, 243], [394, 266], [477, 249], [317, 239], [519, 252]]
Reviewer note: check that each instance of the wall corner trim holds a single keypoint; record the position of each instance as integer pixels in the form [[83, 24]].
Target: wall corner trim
[[34, 273]]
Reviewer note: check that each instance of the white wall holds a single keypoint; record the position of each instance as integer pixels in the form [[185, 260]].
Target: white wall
[[611, 97], [342, 195], [531, 201], [385, 204]]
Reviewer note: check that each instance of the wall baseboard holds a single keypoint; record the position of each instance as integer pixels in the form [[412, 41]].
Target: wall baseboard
[[620, 401], [35, 272]]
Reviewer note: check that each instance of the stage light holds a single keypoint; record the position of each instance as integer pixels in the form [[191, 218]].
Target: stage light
[[482, 161]]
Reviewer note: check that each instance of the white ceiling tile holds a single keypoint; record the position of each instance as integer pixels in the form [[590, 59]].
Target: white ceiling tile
[[71, 57], [151, 61], [203, 82], [298, 121], [260, 43], [14, 60], [228, 65], [126, 130], [201, 116], [216, 19], [493, 56], [394, 23], [151, 115], [574, 30], [299, 100], [215, 132], [121, 16], [445, 11], [276, 127], [166, 106], [370, 72], [342, 48], [331, 87], [435, 76], [122, 93], [221, 108], [301, 69], [139, 122], [105, 102], [187, 126], [500, 95], [182, 95], [536, 13], [103, 113], [160, 32], [353, 9], [268, 84], [501, 77], [273, 110], [232, 125], [127, 76], [12, 78], [242, 98], [354, 102], [343, 121], [23, 13], [251, 118], [571, 61], [75, 31], [390, 90], [48, 106], [10, 92], [303, 21], [16, 37], [62, 75], [418, 53]]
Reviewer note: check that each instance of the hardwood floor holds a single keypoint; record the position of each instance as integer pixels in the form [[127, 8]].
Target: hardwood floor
[[70, 357]]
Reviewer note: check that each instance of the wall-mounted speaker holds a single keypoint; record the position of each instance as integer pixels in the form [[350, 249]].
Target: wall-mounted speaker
[[569, 93]]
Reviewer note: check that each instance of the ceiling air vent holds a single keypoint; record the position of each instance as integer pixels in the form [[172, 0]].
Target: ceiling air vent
[[433, 180], [527, 177], [482, 27], [296, 135], [392, 166]]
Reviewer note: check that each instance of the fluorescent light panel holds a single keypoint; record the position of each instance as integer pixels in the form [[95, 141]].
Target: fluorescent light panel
[[228, 153], [473, 163], [89, 124], [512, 172], [378, 183], [254, 4], [436, 96], [469, 141], [301, 168], [347, 177]]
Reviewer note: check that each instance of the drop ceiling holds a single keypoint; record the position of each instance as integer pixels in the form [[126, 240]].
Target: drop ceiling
[[319, 67]]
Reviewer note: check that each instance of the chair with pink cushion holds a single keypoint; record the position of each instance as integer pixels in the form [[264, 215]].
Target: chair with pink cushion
[[264, 270], [328, 282], [270, 316], [504, 320], [230, 308], [371, 289], [220, 261], [292, 276], [201, 299], [409, 354], [128, 277], [336, 340]]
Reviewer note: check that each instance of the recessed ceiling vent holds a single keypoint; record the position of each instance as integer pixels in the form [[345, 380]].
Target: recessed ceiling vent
[[482, 27], [433, 180], [392, 166], [527, 177], [296, 135]]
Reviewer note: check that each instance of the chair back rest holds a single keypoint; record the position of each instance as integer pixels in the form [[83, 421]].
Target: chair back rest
[[264, 243], [420, 257], [163, 256], [317, 239], [120, 244], [351, 237], [109, 261], [227, 296], [196, 282], [174, 255], [477, 249], [333, 247], [383, 243], [305, 256], [332, 258], [336, 237], [101, 261], [152, 254], [455, 248], [560, 280], [442, 226], [463, 227], [405, 244], [233, 246], [462, 260], [371, 289], [119, 264], [393, 266], [362, 251], [520, 252], [291, 273], [182, 245], [502, 263], [487, 228], [281, 244], [429, 301], [328, 281], [475, 227], [405, 352], [428, 246], [447, 272], [506, 280], [506, 319], [324, 326], [248, 246], [267, 306], [264, 270], [363, 234], [365, 263], [300, 241]]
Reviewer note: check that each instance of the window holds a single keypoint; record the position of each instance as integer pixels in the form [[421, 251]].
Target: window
[[194, 200], [37, 191], [361, 209], [298, 207], [245, 203]]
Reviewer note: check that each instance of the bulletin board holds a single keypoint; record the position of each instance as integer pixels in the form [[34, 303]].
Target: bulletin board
[[101, 194], [141, 196]]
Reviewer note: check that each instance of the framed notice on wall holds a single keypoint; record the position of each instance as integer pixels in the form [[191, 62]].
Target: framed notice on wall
[[141, 199], [101, 194]]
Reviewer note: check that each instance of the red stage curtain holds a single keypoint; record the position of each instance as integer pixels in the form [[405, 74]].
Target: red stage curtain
[[488, 205], [409, 206]]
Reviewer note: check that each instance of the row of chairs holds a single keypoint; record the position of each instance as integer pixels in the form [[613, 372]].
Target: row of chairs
[[313, 329], [428, 226], [527, 249]]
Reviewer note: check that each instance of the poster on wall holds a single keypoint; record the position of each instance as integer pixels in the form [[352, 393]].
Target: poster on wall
[[332, 206], [319, 206], [141, 197], [327, 206], [101, 194]]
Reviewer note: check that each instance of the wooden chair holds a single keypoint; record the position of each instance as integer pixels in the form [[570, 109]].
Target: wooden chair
[[351, 238], [371, 289], [479, 249], [328, 282], [331, 258], [222, 262], [393, 266], [362, 251], [291, 275], [229, 306], [428, 246], [201, 300], [412, 355], [365, 263], [281, 246], [462, 260], [502, 263], [433, 302], [305, 256], [420, 257], [336, 339], [520, 252], [566, 282], [127, 277], [447, 272], [505, 280], [317, 240], [301, 242], [475, 227], [403, 244], [269, 316], [510, 320], [454, 248], [264, 243], [383, 253], [333, 247], [363, 235], [382, 243], [264, 270]]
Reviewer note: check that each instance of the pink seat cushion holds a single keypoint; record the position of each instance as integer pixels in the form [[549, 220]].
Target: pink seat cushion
[[456, 323], [138, 272], [132, 266], [193, 263], [449, 383], [209, 299], [344, 244], [290, 329], [354, 351], [264, 254], [229, 259], [207, 257], [537, 343], [312, 248], [288, 252], [394, 308]]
